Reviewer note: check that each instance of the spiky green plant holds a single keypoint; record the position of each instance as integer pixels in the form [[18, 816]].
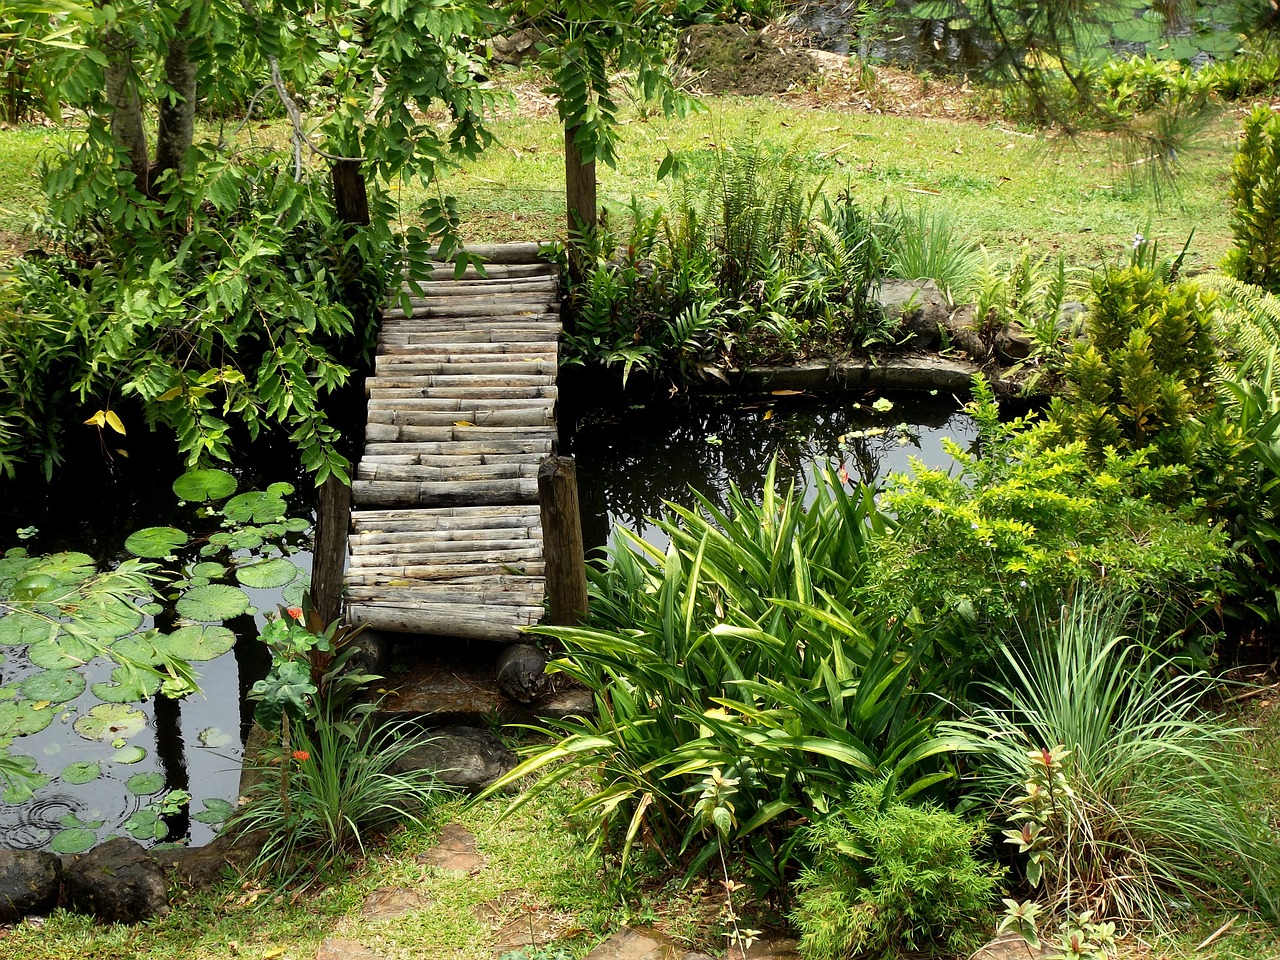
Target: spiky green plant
[[929, 246], [1157, 810]]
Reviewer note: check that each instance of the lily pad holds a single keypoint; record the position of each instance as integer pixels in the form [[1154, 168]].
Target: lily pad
[[145, 784], [32, 586], [129, 754], [209, 569], [82, 771], [268, 574], [55, 686], [129, 686], [111, 721], [194, 643], [213, 737], [146, 825], [155, 541], [21, 630], [248, 539], [212, 602], [66, 567], [215, 811], [20, 718], [64, 652], [204, 485], [75, 840], [258, 506]]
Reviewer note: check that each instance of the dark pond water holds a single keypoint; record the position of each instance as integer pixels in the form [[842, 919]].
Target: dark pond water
[[630, 460]]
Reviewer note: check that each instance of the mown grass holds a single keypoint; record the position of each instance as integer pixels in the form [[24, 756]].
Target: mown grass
[[1006, 187]]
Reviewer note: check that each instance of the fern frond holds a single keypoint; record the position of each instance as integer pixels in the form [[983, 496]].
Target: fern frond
[[1248, 316]]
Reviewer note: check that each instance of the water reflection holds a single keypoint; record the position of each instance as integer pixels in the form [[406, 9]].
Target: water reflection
[[631, 460]]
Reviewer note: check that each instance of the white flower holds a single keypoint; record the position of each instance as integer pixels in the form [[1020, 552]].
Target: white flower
[[1138, 240]]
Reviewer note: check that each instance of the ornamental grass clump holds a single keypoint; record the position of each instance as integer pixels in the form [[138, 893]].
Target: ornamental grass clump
[[1149, 810]]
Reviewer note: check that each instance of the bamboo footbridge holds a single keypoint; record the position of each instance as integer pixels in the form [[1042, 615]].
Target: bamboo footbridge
[[446, 534]]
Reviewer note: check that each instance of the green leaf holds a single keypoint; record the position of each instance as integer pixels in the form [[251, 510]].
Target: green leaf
[[130, 754], [200, 486], [156, 541], [213, 602], [19, 629], [196, 643], [82, 771], [20, 718], [268, 574], [256, 506], [75, 840], [216, 810], [209, 569], [145, 825], [129, 687], [145, 784], [109, 721], [56, 686]]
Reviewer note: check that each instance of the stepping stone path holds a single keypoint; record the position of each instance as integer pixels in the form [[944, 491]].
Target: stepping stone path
[[455, 852]]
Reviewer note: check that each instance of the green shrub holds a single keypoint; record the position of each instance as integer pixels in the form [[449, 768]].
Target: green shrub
[[892, 880], [1143, 379], [1255, 199], [930, 246], [1024, 519], [735, 653]]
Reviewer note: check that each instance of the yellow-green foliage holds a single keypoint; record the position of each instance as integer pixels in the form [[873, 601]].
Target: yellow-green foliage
[[1255, 198]]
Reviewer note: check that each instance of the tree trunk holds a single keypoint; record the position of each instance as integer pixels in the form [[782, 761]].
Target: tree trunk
[[580, 186], [127, 132], [176, 128], [350, 193]]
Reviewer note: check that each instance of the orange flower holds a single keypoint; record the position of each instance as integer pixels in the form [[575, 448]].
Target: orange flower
[[295, 612], [301, 755]]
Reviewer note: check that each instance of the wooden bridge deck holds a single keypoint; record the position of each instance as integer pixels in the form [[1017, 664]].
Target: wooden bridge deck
[[446, 536]]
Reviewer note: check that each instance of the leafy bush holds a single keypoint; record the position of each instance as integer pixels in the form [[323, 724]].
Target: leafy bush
[[1152, 801], [891, 879], [1024, 519], [736, 653], [1255, 198], [1143, 379]]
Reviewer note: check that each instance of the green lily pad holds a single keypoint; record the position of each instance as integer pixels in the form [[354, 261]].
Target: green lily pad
[[258, 506], [64, 652], [66, 567], [74, 840], [145, 825], [247, 539], [204, 485], [129, 686], [268, 574], [213, 737], [130, 754], [296, 525], [145, 784], [209, 569], [212, 603], [32, 586], [70, 819], [22, 629], [194, 643], [55, 686], [109, 618], [21, 718], [216, 810], [155, 541], [110, 721], [82, 771]]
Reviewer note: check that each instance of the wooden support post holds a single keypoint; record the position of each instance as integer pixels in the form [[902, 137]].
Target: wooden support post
[[566, 567], [333, 517]]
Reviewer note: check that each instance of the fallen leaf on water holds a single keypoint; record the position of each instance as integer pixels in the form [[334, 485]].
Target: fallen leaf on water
[[786, 393], [768, 415]]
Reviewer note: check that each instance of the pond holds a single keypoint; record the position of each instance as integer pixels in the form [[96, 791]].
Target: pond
[[630, 460]]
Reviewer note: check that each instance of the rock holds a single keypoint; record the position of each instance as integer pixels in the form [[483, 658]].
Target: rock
[[522, 672], [454, 852], [1071, 318], [964, 334], [919, 310], [632, 944], [340, 948], [468, 758], [28, 883], [1013, 344], [516, 47], [118, 882], [1010, 946], [199, 868], [387, 903], [372, 653]]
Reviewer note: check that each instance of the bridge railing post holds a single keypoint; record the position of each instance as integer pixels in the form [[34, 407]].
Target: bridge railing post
[[566, 567]]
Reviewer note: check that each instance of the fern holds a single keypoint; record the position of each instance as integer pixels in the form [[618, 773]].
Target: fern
[[1248, 316]]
